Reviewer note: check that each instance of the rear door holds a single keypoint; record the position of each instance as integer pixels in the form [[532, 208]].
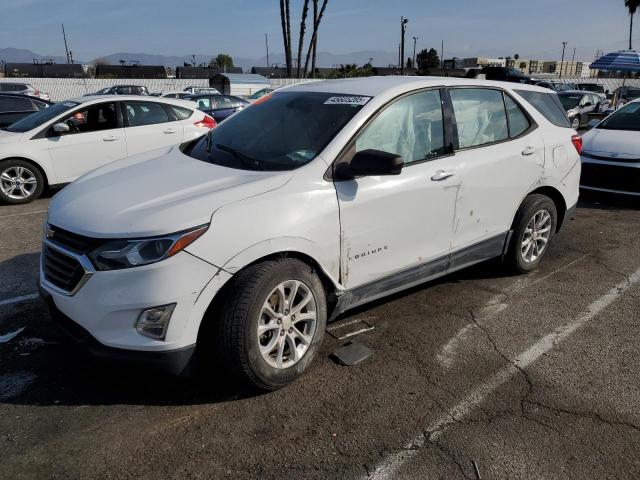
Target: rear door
[[150, 125], [96, 137], [500, 156]]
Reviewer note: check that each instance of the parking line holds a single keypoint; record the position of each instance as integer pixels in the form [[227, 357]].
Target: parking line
[[23, 213], [21, 298], [390, 466]]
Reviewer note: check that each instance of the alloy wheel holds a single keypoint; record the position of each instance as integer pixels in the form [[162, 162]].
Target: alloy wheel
[[287, 324], [536, 236], [18, 182]]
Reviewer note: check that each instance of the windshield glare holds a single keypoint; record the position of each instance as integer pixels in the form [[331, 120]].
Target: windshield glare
[[282, 131], [37, 119], [570, 101], [626, 118]]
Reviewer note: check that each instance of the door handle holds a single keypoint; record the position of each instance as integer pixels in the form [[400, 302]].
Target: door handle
[[110, 138], [170, 130], [442, 175], [529, 150]]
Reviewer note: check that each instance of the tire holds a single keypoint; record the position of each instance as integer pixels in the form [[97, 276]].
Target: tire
[[575, 122], [20, 182], [243, 311], [520, 257]]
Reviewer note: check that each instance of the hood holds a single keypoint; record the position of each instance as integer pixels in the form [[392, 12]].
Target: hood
[[620, 142], [10, 137], [155, 193]]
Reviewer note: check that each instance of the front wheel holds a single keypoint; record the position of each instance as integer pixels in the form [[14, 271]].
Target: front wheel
[[273, 321], [20, 182], [575, 123], [533, 229]]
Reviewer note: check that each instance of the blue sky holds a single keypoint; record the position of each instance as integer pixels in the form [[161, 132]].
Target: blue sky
[[533, 28]]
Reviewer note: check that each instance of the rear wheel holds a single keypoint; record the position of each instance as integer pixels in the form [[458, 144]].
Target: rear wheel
[[273, 321], [533, 229], [575, 122], [20, 182]]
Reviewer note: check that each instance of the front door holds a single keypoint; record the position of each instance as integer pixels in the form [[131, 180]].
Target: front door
[[95, 138], [393, 223]]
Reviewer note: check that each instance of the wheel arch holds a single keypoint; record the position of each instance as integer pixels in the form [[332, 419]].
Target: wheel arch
[[36, 165], [558, 199]]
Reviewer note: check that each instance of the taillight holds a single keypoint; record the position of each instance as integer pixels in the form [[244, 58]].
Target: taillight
[[577, 142], [207, 122]]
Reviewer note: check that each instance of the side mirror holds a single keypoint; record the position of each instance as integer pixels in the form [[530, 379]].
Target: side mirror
[[61, 128], [368, 163]]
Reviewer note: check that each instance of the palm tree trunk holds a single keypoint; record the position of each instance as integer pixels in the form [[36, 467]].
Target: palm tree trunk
[[289, 62], [630, 31], [303, 27], [314, 39], [283, 16]]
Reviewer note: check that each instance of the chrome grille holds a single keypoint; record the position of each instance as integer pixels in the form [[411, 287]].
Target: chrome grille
[[71, 241], [61, 270]]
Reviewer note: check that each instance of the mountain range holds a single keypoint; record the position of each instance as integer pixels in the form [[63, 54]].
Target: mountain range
[[324, 59]]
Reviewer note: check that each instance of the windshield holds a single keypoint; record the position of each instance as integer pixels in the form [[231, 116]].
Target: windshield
[[625, 118], [631, 93], [40, 118], [282, 131], [570, 101]]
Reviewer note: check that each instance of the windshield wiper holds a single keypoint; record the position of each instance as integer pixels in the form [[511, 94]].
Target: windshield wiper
[[250, 162]]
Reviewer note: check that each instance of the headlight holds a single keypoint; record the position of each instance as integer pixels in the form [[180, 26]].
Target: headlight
[[117, 254]]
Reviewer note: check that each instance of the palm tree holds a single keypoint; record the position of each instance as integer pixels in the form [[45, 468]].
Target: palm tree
[[286, 33], [632, 6], [313, 44], [303, 27]]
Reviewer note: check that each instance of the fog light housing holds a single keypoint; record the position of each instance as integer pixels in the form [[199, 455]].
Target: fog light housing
[[154, 322]]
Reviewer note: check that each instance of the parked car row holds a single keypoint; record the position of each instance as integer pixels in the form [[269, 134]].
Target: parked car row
[[57, 144]]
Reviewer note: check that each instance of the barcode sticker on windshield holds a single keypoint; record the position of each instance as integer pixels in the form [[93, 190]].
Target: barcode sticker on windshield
[[347, 100]]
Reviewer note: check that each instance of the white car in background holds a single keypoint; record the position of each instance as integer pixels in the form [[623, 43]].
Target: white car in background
[[58, 144], [23, 89], [201, 90], [321, 197], [175, 94], [611, 152]]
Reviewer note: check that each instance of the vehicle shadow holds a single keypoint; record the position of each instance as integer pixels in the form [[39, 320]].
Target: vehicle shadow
[[608, 201]]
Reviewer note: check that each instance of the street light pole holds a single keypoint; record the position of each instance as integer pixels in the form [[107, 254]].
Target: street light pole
[[403, 28], [564, 45], [415, 39]]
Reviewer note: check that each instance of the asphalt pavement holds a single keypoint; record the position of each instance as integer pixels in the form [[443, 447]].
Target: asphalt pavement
[[478, 375]]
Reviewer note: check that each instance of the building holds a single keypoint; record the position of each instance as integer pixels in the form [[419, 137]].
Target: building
[[454, 63], [476, 62], [564, 69]]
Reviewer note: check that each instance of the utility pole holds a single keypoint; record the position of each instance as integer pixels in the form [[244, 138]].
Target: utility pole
[[442, 55], [66, 49], [403, 28], [564, 45], [415, 39], [266, 42]]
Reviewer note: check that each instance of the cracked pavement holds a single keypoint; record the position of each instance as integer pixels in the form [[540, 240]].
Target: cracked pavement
[[573, 413]]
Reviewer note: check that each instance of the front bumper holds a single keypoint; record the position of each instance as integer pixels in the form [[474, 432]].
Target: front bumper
[[609, 176], [104, 310], [173, 362]]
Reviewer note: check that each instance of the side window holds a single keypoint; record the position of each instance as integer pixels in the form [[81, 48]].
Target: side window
[[102, 116], [181, 113], [145, 113], [15, 104], [204, 103], [548, 105], [518, 121], [480, 116], [411, 127]]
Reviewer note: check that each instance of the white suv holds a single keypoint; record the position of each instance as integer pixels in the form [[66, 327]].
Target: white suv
[[315, 199]]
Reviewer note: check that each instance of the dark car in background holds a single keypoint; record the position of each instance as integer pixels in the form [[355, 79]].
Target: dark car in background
[[505, 74], [122, 90], [14, 107], [579, 104], [220, 107]]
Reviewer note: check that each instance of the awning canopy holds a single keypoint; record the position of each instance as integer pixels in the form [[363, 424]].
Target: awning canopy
[[623, 61]]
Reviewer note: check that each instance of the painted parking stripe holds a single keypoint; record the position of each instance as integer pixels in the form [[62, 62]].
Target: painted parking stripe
[[21, 298], [21, 214], [390, 466]]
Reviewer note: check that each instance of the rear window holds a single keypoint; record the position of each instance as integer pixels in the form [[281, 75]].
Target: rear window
[[548, 105], [181, 113]]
